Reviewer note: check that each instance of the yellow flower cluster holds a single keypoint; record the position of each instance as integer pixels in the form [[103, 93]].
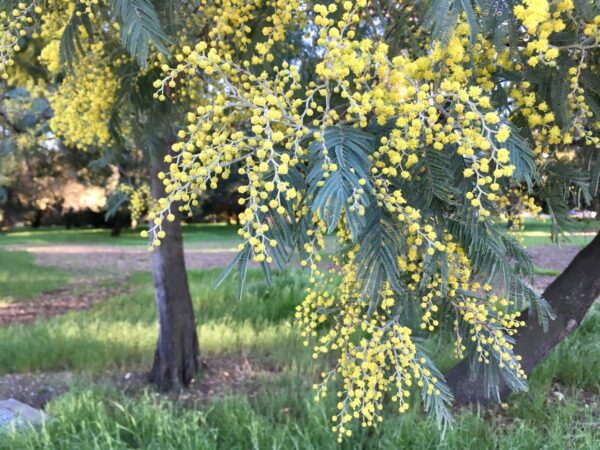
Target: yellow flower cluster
[[83, 101], [140, 200], [13, 26], [429, 99], [53, 21], [542, 19], [377, 356], [20, 23]]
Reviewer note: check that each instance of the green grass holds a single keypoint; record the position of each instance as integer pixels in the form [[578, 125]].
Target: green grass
[[284, 416], [546, 272], [539, 232], [122, 332], [21, 279], [195, 233], [281, 413]]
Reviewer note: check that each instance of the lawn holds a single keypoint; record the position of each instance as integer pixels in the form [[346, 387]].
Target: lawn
[[539, 232], [21, 280], [275, 409], [195, 233], [121, 333], [535, 232]]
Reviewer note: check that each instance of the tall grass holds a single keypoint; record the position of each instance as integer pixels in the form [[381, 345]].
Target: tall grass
[[284, 416]]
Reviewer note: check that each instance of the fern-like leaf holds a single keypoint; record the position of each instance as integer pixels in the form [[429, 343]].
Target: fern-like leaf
[[140, 27]]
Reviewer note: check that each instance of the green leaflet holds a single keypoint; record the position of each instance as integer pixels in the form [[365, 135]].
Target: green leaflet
[[348, 148], [140, 26], [70, 41]]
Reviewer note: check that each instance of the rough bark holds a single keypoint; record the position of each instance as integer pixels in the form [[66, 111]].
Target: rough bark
[[571, 294], [177, 356]]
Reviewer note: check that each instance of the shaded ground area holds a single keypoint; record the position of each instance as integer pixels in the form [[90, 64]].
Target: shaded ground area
[[221, 375]]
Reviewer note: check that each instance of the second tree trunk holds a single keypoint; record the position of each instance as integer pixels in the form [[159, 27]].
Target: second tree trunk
[[571, 294]]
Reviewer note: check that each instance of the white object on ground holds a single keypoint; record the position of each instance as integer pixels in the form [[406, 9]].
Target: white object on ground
[[17, 414]]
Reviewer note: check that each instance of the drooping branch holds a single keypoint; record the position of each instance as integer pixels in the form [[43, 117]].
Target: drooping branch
[[571, 295]]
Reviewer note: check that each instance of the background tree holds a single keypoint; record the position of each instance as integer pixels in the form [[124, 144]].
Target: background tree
[[91, 60]]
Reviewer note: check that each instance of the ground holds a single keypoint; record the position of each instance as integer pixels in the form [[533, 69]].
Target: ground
[[77, 330]]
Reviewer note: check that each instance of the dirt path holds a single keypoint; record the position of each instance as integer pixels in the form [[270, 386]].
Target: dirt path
[[112, 259], [100, 272], [550, 257]]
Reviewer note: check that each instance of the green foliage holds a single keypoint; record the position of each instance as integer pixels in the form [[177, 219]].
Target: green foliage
[[564, 184], [380, 242], [70, 41], [347, 148], [441, 16], [140, 26], [436, 182]]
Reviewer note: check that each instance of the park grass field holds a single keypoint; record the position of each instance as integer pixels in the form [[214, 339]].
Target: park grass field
[[270, 405], [195, 233], [535, 232], [21, 280]]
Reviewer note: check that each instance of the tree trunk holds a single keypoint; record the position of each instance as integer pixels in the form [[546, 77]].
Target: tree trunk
[[37, 218], [571, 294], [177, 357], [120, 220]]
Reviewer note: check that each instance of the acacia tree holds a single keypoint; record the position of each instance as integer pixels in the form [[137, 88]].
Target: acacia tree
[[411, 130], [90, 61]]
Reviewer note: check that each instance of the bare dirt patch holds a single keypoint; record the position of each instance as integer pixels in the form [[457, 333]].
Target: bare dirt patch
[[35, 389], [76, 296], [126, 260], [552, 256], [220, 376]]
